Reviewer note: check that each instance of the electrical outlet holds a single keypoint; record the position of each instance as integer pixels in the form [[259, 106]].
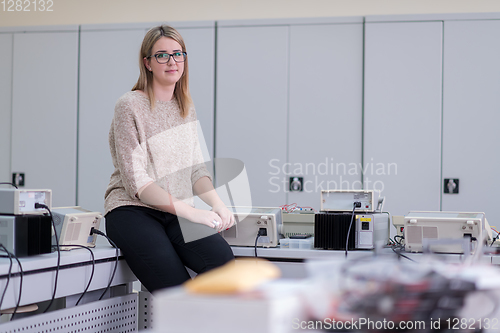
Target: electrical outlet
[[296, 184], [451, 185], [18, 179]]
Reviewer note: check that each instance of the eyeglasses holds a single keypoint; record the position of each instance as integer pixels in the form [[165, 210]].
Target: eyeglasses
[[163, 58]]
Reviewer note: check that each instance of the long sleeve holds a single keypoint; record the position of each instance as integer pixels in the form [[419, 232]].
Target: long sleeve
[[131, 152], [199, 168]]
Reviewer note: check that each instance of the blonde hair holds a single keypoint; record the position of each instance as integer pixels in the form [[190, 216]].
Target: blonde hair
[[145, 80]]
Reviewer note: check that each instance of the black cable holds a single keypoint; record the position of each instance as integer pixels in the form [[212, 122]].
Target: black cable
[[91, 274], [98, 232], [21, 272], [256, 239], [495, 239], [396, 239], [20, 286], [349, 231], [400, 254], [39, 205], [8, 277], [261, 232], [7, 183]]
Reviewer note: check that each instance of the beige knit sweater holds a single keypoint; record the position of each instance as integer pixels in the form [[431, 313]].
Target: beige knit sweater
[[152, 145]]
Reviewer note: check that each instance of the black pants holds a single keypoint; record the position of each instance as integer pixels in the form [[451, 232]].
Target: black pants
[[154, 247]]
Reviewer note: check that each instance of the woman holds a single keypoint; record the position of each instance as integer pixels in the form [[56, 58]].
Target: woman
[[158, 168]]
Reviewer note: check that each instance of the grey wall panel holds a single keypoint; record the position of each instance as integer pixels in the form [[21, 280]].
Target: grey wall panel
[[44, 112], [402, 116], [326, 82], [471, 115], [109, 67], [200, 44], [251, 111], [5, 105]]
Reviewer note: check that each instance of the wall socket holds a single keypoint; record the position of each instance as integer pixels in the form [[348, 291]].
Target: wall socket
[[18, 179], [296, 184], [451, 185]]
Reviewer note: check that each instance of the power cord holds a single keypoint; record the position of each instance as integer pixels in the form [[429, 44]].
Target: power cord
[[495, 239], [21, 273], [7, 183], [91, 274], [20, 286], [39, 205], [400, 246], [261, 232], [9, 275], [98, 232], [355, 205]]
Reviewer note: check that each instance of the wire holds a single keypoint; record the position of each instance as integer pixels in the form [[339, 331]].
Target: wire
[[290, 208], [7, 183], [256, 239], [399, 252], [397, 241], [21, 272], [98, 232], [8, 277], [349, 231], [39, 205], [20, 286], [495, 239], [91, 274]]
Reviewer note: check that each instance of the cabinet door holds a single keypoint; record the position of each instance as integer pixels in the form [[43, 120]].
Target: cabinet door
[[5, 105], [44, 125], [200, 44], [402, 114], [109, 67], [471, 114], [326, 83], [251, 112]]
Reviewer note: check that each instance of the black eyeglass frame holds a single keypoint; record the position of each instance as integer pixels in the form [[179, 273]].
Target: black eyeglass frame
[[170, 55]]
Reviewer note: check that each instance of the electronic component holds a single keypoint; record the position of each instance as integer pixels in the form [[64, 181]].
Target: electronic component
[[420, 227], [253, 221], [73, 226], [26, 235], [343, 200], [299, 222], [399, 223], [19, 202], [368, 230]]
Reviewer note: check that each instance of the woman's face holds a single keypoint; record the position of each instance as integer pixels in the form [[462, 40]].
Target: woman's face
[[169, 73]]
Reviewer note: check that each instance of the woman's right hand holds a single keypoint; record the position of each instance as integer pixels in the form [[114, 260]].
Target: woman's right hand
[[207, 218]]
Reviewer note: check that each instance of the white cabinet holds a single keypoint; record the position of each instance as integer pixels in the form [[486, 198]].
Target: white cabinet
[[5, 105], [402, 113], [471, 114], [289, 97], [200, 44], [325, 108], [44, 111], [252, 99], [109, 67]]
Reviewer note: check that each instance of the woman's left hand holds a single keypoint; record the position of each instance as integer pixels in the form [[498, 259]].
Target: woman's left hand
[[226, 216]]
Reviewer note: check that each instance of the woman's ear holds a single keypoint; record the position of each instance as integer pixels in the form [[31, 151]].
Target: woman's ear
[[146, 63]]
